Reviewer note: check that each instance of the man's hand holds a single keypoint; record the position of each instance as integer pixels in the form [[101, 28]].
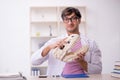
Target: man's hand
[[59, 44], [80, 56], [82, 62]]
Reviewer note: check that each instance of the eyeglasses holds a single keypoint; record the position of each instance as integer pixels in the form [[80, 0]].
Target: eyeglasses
[[72, 19]]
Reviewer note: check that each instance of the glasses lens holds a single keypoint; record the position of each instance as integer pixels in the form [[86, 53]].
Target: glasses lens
[[73, 19]]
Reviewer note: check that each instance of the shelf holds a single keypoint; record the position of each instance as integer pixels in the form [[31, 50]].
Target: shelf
[[43, 14], [40, 22], [43, 36], [45, 64], [43, 7], [39, 66]]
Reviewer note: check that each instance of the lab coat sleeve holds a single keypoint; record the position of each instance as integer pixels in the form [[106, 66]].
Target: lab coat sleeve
[[37, 58], [95, 64]]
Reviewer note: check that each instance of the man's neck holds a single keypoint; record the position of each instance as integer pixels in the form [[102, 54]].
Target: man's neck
[[69, 33]]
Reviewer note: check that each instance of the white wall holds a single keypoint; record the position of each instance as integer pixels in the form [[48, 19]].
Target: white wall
[[102, 21], [14, 36]]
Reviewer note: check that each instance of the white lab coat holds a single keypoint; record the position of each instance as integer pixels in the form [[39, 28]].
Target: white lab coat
[[55, 67]]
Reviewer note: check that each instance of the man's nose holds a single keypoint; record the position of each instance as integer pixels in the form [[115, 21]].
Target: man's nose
[[70, 21]]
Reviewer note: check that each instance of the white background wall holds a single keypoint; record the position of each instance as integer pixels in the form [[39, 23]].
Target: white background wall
[[103, 22], [14, 36]]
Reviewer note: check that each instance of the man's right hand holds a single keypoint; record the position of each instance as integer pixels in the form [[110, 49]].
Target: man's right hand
[[59, 44]]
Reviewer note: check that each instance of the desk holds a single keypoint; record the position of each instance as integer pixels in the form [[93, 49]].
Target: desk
[[92, 77]]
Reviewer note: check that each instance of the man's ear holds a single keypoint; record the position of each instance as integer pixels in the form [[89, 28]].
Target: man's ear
[[79, 21]]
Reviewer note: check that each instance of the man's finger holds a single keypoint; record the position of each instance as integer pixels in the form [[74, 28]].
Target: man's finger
[[80, 56]]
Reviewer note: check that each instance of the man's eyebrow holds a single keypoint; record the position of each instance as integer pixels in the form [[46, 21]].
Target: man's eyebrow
[[71, 17]]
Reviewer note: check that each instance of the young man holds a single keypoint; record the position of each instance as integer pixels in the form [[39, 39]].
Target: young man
[[71, 19]]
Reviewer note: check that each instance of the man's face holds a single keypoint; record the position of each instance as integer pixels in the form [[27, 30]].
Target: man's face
[[71, 23]]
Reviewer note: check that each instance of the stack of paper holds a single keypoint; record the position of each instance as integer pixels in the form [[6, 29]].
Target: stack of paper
[[116, 70], [11, 76]]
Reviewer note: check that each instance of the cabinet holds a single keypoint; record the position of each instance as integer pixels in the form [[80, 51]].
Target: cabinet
[[46, 23]]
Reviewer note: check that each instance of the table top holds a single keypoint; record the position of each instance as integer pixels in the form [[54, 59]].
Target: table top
[[91, 77]]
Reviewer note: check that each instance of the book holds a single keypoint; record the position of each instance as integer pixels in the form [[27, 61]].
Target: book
[[116, 70], [117, 63], [114, 74], [117, 67]]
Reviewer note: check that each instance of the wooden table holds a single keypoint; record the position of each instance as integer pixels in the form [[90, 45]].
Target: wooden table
[[91, 77]]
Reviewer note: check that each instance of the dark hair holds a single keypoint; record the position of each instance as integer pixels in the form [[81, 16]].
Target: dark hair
[[69, 10]]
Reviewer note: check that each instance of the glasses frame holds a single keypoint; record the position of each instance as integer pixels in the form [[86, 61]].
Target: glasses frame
[[72, 19]]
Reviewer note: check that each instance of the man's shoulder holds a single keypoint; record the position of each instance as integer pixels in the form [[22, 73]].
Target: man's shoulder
[[85, 37], [90, 41]]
